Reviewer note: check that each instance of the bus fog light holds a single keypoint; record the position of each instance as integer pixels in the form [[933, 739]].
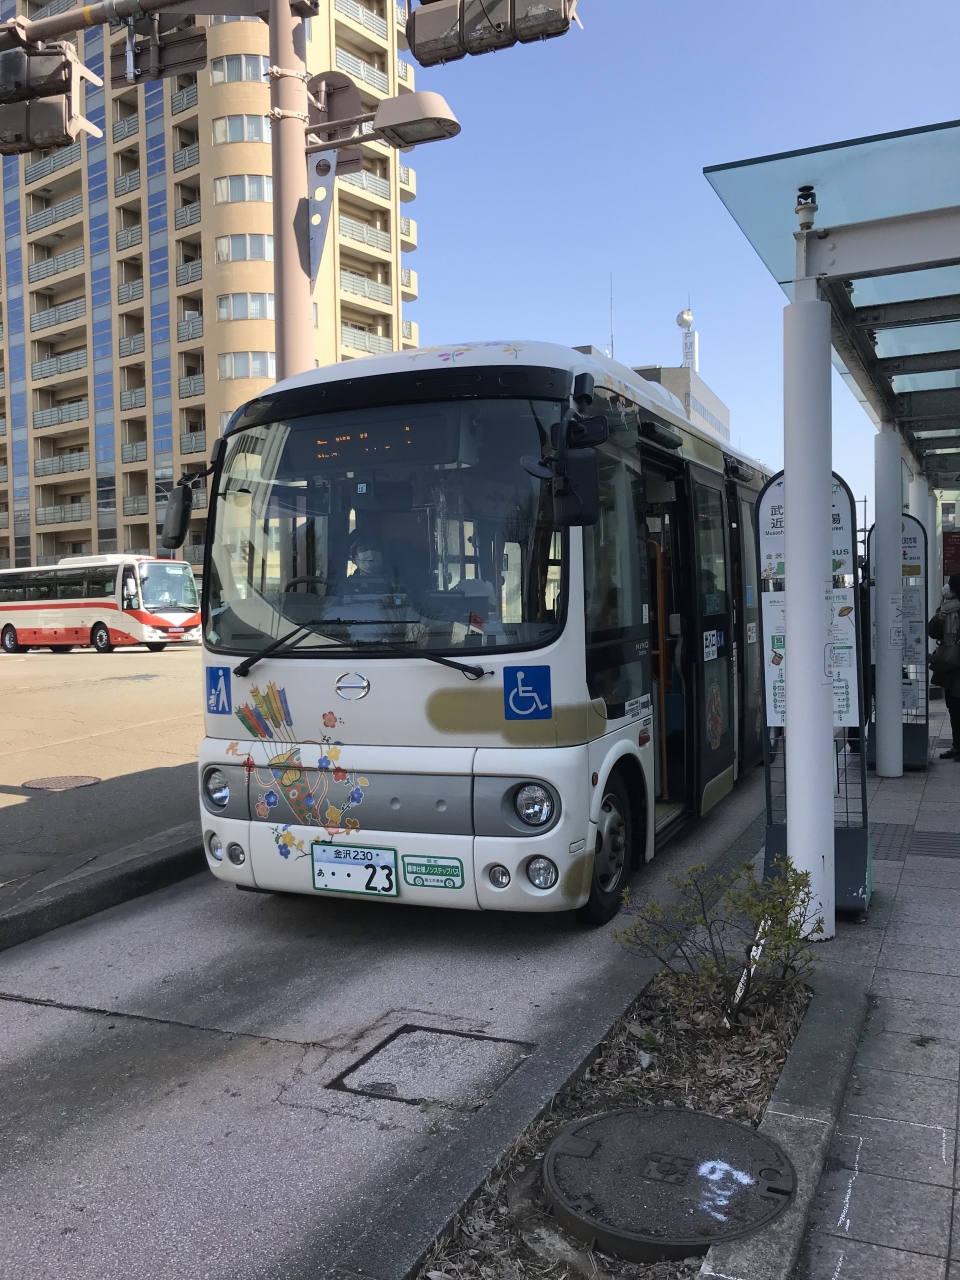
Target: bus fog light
[[215, 847], [534, 804], [236, 854], [542, 873], [499, 876], [217, 788]]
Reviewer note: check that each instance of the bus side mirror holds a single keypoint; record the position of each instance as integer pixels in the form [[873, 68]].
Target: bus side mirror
[[177, 520], [576, 493]]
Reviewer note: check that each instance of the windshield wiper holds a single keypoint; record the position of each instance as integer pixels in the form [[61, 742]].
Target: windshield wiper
[[244, 668]]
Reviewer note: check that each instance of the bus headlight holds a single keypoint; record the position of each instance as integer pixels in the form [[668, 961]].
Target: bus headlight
[[534, 804], [215, 847], [217, 788], [542, 873], [236, 854], [499, 876]]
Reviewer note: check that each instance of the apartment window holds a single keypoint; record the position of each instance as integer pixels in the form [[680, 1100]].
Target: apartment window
[[247, 364], [245, 306], [241, 129], [243, 186], [230, 17], [239, 66], [225, 416], [316, 316], [242, 248]]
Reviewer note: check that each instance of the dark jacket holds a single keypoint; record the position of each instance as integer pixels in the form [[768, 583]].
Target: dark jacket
[[935, 632]]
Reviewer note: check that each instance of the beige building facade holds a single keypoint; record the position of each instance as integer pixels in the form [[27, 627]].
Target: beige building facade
[[137, 280]]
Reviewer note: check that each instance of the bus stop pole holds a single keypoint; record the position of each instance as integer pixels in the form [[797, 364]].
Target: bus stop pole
[[807, 470], [888, 594], [291, 241]]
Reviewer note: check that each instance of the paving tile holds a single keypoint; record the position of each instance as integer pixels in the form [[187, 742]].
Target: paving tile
[[825, 1257], [938, 822], [907, 909], [900, 955], [925, 862], [901, 984], [923, 933], [853, 945], [894, 1095], [912, 1055], [946, 876], [892, 1212], [894, 1148], [932, 896], [916, 1017]]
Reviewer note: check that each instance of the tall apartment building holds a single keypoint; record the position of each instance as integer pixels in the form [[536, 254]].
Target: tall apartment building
[[136, 288]]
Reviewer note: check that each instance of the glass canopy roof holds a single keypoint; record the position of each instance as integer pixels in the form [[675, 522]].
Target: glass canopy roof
[[911, 352]]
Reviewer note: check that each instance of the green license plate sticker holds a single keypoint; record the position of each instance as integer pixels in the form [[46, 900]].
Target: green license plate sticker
[[364, 869], [433, 873]]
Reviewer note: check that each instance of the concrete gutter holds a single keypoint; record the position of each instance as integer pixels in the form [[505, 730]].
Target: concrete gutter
[[89, 882], [801, 1116]]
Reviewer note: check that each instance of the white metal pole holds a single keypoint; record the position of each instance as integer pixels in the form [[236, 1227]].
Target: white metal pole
[[936, 550], [291, 241], [888, 594], [807, 468]]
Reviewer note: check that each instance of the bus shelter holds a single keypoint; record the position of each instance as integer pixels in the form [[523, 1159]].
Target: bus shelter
[[863, 236]]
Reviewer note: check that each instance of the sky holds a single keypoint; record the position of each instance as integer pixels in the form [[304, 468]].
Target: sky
[[583, 156]]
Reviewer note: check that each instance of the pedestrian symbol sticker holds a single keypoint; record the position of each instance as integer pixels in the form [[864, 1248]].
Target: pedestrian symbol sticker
[[526, 693], [218, 691]]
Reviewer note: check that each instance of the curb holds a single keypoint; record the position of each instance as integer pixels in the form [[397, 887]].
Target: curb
[[77, 889], [801, 1116]]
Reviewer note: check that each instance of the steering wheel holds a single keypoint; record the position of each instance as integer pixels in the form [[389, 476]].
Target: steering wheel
[[306, 577]]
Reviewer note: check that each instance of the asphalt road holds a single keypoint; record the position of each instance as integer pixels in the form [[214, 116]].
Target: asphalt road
[[131, 718], [208, 1083]]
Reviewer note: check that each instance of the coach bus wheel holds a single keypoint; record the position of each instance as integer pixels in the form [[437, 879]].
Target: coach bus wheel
[[61, 648], [614, 856], [9, 641], [156, 648], [100, 638]]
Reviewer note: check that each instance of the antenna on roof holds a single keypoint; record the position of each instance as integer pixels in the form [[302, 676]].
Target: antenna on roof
[[611, 316]]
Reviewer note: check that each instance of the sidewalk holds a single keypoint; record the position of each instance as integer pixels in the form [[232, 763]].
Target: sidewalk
[[888, 1204]]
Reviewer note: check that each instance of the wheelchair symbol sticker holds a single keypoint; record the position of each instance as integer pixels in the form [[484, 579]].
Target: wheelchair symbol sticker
[[526, 693]]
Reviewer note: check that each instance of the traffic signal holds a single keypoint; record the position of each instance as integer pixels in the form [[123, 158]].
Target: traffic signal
[[156, 49], [446, 30], [39, 97]]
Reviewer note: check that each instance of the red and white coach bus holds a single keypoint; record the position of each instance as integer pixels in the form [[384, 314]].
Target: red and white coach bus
[[103, 601]]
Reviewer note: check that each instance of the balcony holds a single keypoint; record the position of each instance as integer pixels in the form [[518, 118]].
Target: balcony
[[136, 452], [62, 314], [186, 157], [66, 513], [402, 16], [362, 17], [73, 411], [52, 9], [363, 287], [126, 128], [67, 363], [193, 555], [131, 291], [55, 213], [189, 329], [369, 182], [191, 386], [362, 233], [361, 70], [187, 215], [409, 286], [193, 442], [405, 75], [410, 333], [189, 272], [4, 474], [56, 160], [408, 183], [183, 100], [3, 379], [408, 235], [199, 498], [61, 464], [5, 524], [53, 266], [124, 183], [129, 237], [135, 398], [361, 340], [3, 426], [133, 345], [136, 505]]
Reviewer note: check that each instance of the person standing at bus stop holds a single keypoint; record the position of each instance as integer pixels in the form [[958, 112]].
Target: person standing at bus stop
[[944, 627]]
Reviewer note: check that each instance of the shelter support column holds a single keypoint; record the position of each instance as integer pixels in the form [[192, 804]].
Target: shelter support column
[[888, 594], [807, 467]]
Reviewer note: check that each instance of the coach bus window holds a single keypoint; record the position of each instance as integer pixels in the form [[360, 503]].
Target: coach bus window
[[713, 570], [39, 587], [11, 589], [70, 585], [101, 584]]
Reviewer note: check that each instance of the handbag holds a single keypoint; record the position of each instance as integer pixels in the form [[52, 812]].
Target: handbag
[[945, 665]]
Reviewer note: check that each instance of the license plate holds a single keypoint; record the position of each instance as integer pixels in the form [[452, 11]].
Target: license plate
[[363, 869]]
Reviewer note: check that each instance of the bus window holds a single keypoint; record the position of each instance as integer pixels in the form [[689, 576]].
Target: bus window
[[101, 584], [713, 569], [70, 584], [11, 589], [39, 586]]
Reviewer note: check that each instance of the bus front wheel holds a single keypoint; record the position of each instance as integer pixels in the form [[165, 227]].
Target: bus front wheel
[[614, 855], [9, 641], [100, 638]]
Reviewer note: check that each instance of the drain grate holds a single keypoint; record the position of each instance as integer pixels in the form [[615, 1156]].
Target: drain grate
[[890, 840], [935, 844], [66, 782], [420, 1064]]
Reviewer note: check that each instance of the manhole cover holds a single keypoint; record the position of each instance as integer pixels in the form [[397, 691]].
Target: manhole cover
[[420, 1064], [66, 782], [651, 1184]]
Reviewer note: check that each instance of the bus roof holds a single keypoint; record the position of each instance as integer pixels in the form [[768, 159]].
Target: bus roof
[[83, 562]]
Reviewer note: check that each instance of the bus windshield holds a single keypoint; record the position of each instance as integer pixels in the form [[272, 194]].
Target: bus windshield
[[411, 526], [168, 586]]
